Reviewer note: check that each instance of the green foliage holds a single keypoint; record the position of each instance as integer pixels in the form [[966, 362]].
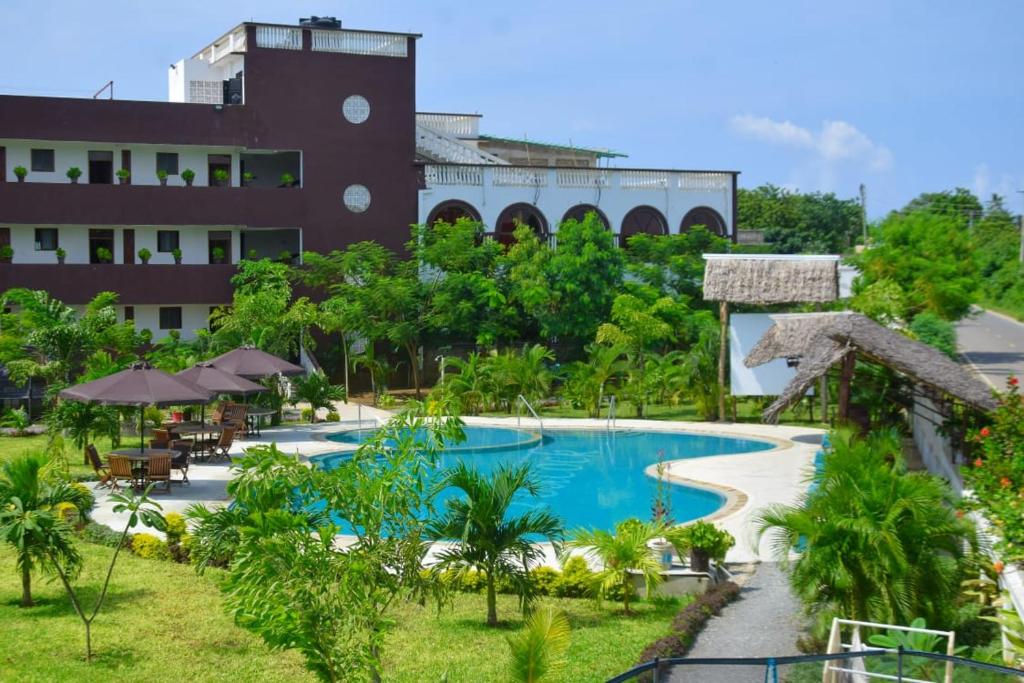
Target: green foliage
[[1012, 628], [997, 475], [82, 422], [936, 332], [188, 175], [538, 650], [673, 264], [175, 526], [20, 171], [123, 173], [916, 667], [74, 172], [220, 175], [332, 416], [316, 390], [16, 419], [587, 381], [489, 539], [796, 223], [882, 301], [104, 255], [287, 179], [703, 536], [149, 547], [621, 554], [876, 543], [102, 534], [145, 254], [689, 622]]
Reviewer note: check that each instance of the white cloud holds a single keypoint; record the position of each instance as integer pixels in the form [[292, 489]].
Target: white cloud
[[836, 144], [985, 184]]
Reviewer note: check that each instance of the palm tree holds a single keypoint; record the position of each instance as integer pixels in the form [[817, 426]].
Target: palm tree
[[30, 523], [622, 554], [472, 386], [316, 390], [488, 538], [875, 542], [537, 650]]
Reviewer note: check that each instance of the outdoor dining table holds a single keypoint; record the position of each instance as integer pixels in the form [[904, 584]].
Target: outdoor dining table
[[197, 431], [254, 417], [139, 458]]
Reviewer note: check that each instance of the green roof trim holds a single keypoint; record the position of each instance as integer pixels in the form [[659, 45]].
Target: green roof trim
[[604, 153]]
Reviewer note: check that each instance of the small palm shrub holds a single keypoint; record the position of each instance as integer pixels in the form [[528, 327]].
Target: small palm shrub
[[538, 649]]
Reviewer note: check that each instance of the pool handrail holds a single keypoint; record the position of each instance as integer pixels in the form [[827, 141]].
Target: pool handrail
[[519, 413], [610, 423]]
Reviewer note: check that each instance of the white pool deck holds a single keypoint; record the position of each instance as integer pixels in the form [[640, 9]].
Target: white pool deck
[[750, 481]]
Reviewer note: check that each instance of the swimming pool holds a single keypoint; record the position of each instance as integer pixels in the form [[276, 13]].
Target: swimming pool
[[589, 478]]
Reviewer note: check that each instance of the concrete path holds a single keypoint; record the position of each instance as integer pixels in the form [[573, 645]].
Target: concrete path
[[764, 622], [993, 344]]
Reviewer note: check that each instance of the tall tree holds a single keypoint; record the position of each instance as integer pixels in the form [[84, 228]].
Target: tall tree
[[674, 264]]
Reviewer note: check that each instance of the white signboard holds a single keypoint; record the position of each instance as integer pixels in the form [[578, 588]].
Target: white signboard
[[770, 379]]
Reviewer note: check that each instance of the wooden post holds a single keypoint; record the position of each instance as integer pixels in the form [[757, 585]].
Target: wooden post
[[845, 377], [723, 350], [823, 385]]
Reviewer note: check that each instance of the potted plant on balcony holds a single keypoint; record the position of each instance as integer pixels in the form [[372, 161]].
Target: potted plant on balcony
[[73, 174], [704, 541], [145, 255], [161, 175], [247, 179], [217, 255], [252, 255], [20, 172], [176, 253], [6, 253], [123, 174], [285, 256], [61, 255], [287, 180], [104, 255], [220, 177], [188, 175]]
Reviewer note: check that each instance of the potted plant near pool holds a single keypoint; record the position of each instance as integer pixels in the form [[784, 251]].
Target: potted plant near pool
[[220, 177], [6, 253], [161, 175], [123, 174], [145, 255], [104, 255], [188, 175], [176, 253], [704, 542], [73, 174], [61, 254], [20, 172]]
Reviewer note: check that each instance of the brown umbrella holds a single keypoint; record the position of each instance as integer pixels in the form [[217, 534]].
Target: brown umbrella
[[252, 363], [140, 385], [212, 378]]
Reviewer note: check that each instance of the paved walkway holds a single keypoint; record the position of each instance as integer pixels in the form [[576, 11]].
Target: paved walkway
[[994, 345], [764, 622]]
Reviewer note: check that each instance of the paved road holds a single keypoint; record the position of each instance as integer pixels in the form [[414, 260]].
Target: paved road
[[764, 622], [994, 345]]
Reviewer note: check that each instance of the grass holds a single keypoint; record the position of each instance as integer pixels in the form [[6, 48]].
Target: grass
[[13, 446], [162, 622]]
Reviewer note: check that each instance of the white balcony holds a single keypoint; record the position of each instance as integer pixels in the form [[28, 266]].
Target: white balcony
[[628, 200]]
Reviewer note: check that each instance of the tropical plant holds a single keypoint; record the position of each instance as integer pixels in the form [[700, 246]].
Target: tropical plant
[[123, 174], [81, 422], [702, 538], [471, 387], [376, 367], [161, 175], [217, 255], [6, 253], [917, 667], [139, 509], [30, 522], [176, 254], [60, 253], [20, 172], [538, 649], [220, 176], [104, 255], [145, 255], [936, 332], [1012, 627], [16, 419], [316, 390], [489, 539], [188, 175], [287, 179], [74, 173], [248, 177], [621, 555], [587, 382], [875, 542]]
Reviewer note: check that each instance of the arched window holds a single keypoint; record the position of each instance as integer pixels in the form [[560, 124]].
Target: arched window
[[706, 216], [580, 211], [520, 214], [642, 219], [451, 211]]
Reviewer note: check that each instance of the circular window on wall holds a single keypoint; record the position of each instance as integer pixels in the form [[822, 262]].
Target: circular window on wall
[[356, 198], [355, 109]]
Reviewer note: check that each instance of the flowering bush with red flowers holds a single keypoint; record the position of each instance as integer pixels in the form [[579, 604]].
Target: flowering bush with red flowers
[[997, 475]]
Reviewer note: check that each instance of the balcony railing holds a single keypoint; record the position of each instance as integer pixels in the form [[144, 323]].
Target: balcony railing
[[232, 42], [361, 43], [279, 37], [456, 125], [528, 176]]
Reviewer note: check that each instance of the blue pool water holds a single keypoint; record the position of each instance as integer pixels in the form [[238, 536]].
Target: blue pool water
[[589, 478]]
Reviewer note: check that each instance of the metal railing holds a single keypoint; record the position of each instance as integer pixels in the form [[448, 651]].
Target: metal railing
[[900, 665], [361, 43], [467, 165], [519, 413], [611, 412]]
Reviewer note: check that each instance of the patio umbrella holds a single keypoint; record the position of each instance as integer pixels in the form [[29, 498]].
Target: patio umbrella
[[140, 385], [218, 381], [252, 363]]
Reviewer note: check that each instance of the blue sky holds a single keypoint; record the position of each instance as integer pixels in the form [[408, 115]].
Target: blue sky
[[904, 96]]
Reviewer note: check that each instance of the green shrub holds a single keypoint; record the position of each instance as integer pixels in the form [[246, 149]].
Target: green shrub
[[149, 547], [87, 501], [104, 535], [307, 414], [68, 512], [544, 580], [153, 416], [333, 416], [702, 536], [176, 527], [935, 332], [181, 551], [576, 580]]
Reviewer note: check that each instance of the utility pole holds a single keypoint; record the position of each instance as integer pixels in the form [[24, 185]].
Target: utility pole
[[864, 214], [1020, 220]]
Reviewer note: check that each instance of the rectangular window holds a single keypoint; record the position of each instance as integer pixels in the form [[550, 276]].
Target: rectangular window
[[46, 239], [129, 313], [167, 161], [42, 160], [166, 240], [170, 317]]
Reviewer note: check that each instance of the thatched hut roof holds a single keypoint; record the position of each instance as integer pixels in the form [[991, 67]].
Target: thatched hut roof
[[771, 279], [822, 340]]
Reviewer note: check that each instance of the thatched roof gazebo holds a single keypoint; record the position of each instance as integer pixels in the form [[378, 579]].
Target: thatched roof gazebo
[[764, 279], [820, 340]]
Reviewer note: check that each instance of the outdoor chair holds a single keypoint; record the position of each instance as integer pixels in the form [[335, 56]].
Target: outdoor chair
[[161, 437], [121, 470], [159, 470], [218, 413], [223, 445], [101, 470], [180, 461]]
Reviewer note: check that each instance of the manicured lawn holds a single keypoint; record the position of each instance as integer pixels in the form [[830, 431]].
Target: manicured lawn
[[162, 622], [13, 446]]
